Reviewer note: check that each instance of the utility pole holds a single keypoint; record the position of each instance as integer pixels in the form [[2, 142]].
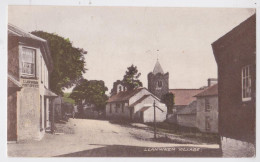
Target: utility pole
[[154, 119]]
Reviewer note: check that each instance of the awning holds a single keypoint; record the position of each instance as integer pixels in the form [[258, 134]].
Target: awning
[[49, 93], [14, 81]]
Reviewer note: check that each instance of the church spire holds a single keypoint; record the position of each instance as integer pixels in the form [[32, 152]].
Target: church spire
[[157, 68]]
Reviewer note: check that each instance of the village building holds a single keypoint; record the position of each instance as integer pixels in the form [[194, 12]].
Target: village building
[[135, 105], [182, 98], [185, 105], [29, 67], [158, 81], [187, 116], [207, 109], [235, 54]]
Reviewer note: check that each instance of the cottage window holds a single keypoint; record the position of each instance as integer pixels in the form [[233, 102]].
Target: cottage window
[[159, 84], [207, 105], [246, 83], [28, 62], [207, 123]]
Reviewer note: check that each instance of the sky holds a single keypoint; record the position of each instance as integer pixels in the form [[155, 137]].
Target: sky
[[117, 37]]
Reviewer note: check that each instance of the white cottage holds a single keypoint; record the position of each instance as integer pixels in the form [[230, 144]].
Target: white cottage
[[135, 105]]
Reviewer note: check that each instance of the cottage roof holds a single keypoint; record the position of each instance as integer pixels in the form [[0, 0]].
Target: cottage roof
[[124, 95], [14, 31], [157, 68], [184, 96], [144, 108], [190, 109], [211, 91], [140, 100]]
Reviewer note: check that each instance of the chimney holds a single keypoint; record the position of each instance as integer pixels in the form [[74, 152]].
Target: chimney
[[212, 81]]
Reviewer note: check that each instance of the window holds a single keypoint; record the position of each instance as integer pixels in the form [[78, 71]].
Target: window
[[120, 88], [28, 61], [123, 105], [110, 110], [159, 84], [207, 106], [207, 123], [246, 83]]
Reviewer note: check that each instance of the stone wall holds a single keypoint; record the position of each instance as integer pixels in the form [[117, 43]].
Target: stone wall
[[152, 84], [28, 114], [236, 148]]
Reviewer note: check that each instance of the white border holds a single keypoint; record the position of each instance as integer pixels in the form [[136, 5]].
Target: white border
[[150, 3]]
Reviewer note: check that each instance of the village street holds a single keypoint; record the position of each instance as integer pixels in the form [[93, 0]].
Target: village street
[[99, 138]]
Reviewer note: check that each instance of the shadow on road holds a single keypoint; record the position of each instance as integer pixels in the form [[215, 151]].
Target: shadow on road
[[135, 151]]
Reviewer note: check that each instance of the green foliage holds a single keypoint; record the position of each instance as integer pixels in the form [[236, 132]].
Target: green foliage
[[131, 78], [66, 98], [168, 99], [68, 61], [92, 91]]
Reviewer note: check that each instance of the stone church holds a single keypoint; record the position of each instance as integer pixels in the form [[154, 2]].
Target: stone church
[[158, 81], [137, 104]]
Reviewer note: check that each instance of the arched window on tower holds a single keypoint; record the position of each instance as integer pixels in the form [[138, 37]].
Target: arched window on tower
[[159, 84]]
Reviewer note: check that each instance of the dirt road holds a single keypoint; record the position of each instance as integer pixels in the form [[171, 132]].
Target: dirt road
[[98, 138]]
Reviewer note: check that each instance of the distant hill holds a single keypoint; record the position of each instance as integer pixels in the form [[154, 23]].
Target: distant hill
[[67, 99]]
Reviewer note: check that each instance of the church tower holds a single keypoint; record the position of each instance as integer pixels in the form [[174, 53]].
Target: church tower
[[158, 81]]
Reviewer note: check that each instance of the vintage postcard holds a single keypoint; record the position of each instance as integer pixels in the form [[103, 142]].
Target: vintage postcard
[[113, 81]]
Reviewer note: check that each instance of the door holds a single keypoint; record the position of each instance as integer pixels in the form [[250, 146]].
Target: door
[[45, 113], [12, 117]]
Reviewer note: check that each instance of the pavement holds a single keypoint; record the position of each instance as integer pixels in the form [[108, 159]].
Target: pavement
[[100, 138]]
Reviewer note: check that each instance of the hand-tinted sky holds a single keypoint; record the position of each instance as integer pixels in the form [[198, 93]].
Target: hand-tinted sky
[[116, 37]]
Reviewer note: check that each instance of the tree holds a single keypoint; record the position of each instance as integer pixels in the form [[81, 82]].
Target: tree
[[93, 92], [168, 99], [68, 61], [131, 78]]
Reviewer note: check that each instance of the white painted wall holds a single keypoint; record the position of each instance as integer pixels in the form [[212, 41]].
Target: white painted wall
[[149, 115]]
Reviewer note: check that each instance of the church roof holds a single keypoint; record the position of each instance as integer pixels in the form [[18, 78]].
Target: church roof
[[157, 68]]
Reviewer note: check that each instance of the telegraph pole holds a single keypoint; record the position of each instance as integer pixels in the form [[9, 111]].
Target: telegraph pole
[[154, 120]]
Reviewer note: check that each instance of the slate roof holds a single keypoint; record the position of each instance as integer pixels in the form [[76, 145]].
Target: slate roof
[[124, 95], [211, 91], [190, 109], [157, 68], [140, 100], [144, 108], [15, 31], [184, 96]]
